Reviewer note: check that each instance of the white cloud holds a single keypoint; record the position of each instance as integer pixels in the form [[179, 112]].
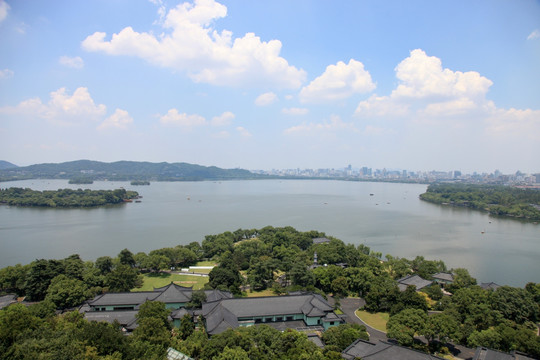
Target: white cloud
[[338, 82], [191, 44], [224, 119], [439, 108], [79, 104], [426, 88], [381, 106], [335, 124], [514, 123], [62, 108], [72, 62], [65, 109], [423, 77], [294, 111], [266, 99], [243, 132], [534, 35], [119, 120], [174, 118], [4, 8], [6, 74]]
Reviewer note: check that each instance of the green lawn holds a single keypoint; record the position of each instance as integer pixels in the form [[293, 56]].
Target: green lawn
[[376, 320], [200, 271], [206, 263], [267, 292], [152, 281]]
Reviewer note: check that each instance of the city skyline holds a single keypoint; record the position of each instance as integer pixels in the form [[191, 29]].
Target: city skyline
[[273, 84]]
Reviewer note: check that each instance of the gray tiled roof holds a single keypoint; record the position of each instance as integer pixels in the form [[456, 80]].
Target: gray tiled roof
[[321, 240], [7, 300], [127, 298], [213, 295], [311, 305], [413, 280], [174, 294], [225, 313], [125, 318], [490, 286], [171, 293], [444, 276], [383, 351], [483, 353]]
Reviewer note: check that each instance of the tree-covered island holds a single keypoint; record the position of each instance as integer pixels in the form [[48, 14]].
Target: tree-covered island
[[64, 198], [495, 199], [140, 182], [277, 261], [80, 180]]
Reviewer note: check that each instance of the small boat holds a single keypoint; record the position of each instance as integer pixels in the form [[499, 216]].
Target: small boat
[[371, 194]]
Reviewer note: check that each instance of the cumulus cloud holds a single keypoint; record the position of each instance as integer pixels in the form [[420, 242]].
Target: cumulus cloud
[[174, 118], [119, 120], [266, 99], [534, 35], [294, 111], [335, 124], [65, 109], [4, 8], [426, 88], [423, 77], [224, 119], [191, 44], [338, 82], [72, 62], [446, 106], [6, 74], [62, 108], [380, 106], [514, 123], [243, 132]]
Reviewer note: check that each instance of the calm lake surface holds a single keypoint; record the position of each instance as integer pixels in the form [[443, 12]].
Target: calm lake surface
[[393, 221]]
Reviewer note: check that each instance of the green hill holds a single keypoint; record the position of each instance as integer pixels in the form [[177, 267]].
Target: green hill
[[6, 165], [125, 170]]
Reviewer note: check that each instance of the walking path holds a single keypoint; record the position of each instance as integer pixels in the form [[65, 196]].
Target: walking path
[[350, 305]]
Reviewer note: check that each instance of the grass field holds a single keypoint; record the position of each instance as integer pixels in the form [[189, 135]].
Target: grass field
[[377, 320], [206, 263], [152, 281], [267, 292]]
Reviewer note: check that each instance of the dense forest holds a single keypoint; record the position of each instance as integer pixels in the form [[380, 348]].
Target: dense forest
[[250, 260], [124, 171], [140, 182], [495, 199], [64, 198], [81, 180]]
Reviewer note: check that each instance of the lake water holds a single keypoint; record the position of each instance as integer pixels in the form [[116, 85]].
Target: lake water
[[393, 221]]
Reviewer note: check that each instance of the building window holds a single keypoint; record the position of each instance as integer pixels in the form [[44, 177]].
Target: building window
[[258, 321], [289, 318], [279, 318]]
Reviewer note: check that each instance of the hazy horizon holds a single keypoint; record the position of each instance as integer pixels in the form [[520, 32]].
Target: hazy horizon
[[448, 85]]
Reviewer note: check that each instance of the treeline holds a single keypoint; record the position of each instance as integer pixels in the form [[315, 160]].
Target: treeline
[[125, 171], [281, 259], [80, 181], [64, 198], [495, 199]]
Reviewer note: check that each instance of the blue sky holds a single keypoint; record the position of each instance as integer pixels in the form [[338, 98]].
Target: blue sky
[[417, 85]]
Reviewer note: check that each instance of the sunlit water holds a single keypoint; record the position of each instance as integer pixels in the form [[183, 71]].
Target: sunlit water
[[392, 221]]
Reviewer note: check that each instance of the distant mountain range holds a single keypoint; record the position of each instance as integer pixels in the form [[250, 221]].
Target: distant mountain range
[[6, 165], [122, 170]]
